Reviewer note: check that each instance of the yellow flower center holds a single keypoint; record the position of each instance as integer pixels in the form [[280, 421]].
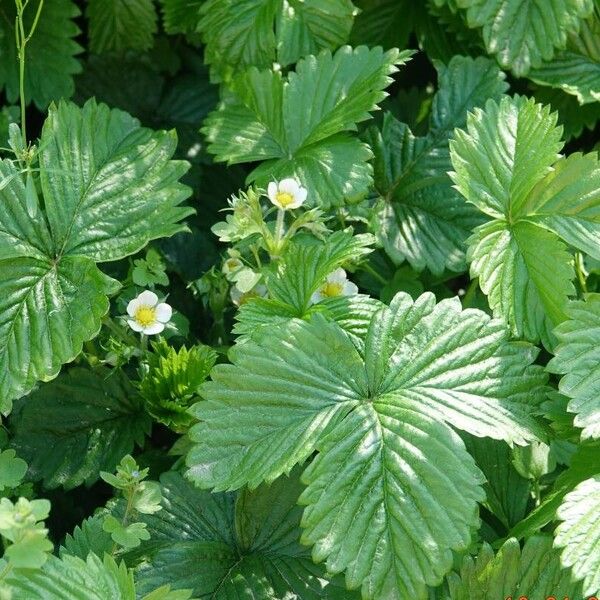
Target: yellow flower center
[[145, 315], [284, 198], [332, 289]]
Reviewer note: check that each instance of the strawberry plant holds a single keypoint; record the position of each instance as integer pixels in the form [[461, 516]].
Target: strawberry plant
[[299, 299]]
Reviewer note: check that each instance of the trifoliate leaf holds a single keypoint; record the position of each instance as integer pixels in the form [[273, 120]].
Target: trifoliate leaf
[[90, 419], [577, 360], [110, 187], [172, 382], [119, 25], [422, 219], [523, 34], [506, 163], [373, 416], [72, 577], [12, 469], [242, 33], [268, 118], [577, 69], [534, 571], [303, 268], [235, 546], [578, 534], [50, 61]]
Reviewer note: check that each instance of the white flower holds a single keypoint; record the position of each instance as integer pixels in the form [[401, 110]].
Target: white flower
[[286, 194], [231, 265], [147, 315], [238, 297], [336, 284]]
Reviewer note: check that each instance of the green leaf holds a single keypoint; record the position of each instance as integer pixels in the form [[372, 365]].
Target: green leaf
[[506, 163], [109, 185], [72, 577], [585, 463], [50, 61], [578, 534], [422, 219], [577, 359], [386, 23], [90, 419], [268, 118], [181, 16], [533, 571], [120, 25], [307, 26], [38, 334], [128, 536], [12, 469], [244, 33], [507, 493], [577, 69], [526, 273], [87, 537], [231, 546], [523, 33], [377, 417]]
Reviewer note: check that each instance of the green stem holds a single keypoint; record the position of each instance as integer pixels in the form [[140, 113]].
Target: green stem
[[369, 269], [579, 268], [118, 331], [279, 226], [131, 494], [22, 40]]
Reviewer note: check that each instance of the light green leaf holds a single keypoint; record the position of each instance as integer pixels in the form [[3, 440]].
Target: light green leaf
[[268, 117], [377, 416], [533, 571], [109, 185], [507, 164], [232, 546], [504, 151], [12, 469], [577, 356], [567, 201], [50, 61], [74, 578], [90, 419], [244, 33], [522, 33], [579, 535], [119, 25], [38, 334], [577, 69], [526, 273], [128, 536], [422, 219]]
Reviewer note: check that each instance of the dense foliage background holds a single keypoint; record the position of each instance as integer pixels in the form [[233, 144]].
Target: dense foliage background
[[379, 380]]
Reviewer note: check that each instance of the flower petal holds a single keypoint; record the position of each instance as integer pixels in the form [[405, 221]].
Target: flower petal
[[337, 276], [164, 312], [154, 328], [148, 298], [133, 306], [301, 194], [316, 298], [135, 325], [350, 289], [289, 185], [272, 191]]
